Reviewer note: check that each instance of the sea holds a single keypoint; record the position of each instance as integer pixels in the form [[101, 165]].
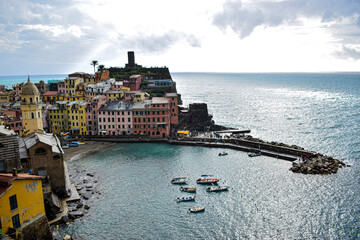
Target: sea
[[318, 111]]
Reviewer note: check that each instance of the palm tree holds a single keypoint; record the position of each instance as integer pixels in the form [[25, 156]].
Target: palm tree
[[94, 63], [101, 68]]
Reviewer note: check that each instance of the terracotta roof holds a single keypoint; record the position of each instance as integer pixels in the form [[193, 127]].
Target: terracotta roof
[[50, 93], [7, 178]]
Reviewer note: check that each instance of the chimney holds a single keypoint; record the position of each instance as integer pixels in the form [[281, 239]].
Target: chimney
[[14, 172]]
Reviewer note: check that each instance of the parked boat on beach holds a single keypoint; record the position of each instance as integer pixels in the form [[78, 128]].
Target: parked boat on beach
[[187, 189], [198, 209], [179, 180], [186, 199], [217, 188]]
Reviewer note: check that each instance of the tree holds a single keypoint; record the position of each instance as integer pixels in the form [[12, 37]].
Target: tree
[[101, 68], [94, 63]]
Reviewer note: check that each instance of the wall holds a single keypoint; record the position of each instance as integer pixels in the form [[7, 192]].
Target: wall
[[29, 195]]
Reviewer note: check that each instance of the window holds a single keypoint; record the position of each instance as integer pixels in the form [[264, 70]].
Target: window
[[1, 145], [16, 221], [32, 116], [40, 151], [13, 202], [56, 157]]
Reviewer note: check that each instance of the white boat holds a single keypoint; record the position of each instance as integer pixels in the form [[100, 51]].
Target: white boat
[[187, 189], [186, 199], [198, 209], [217, 188], [179, 180]]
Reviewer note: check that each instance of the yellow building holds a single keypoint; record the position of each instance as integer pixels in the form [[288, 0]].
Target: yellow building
[[71, 85], [114, 95], [31, 108], [77, 117], [21, 200], [58, 115], [5, 97]]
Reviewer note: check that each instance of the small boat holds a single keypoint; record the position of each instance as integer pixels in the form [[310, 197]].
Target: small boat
[[65, 146], [187, 189], [223, 154], [179, 180], [217, 188], [198, 209], [205, 180], [186, 199], [254, 154], [73, 145]]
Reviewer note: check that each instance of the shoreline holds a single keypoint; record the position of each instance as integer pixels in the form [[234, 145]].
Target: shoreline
[[87, 149]]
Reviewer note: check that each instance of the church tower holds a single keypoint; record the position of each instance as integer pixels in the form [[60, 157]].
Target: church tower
[[31, 109]]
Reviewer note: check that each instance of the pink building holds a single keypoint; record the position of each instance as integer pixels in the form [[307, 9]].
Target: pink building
[[115, 118], [133, 83], [152, 117], [92, 111], [61, 87], [174, 110], [17, 91], [117, 86]]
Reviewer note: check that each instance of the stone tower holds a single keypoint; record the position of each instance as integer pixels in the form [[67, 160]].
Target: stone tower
[[31, 109]]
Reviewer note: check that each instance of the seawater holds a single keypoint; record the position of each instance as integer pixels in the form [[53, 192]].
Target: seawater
[[9, 81], [320, 112]]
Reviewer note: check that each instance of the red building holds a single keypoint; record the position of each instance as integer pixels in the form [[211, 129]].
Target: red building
[[152, 117], [174, 110], [133, 83]]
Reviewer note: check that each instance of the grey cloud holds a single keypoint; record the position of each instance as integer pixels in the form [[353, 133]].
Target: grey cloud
[[348, 52], [243, 18]]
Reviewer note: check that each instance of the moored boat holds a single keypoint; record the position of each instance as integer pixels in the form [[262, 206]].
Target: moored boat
[[205, 180], [254, 154], [217, 188], [223, 154], [179, 180], [186, 199], [198, 209], [187, 189]]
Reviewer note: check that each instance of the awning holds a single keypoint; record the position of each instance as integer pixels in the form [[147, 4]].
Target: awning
[[183, 132]]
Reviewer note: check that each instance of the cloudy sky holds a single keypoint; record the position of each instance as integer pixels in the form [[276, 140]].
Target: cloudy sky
[[63, 36]]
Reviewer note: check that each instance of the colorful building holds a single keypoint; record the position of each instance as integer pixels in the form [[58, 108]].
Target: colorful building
[[21, 200], [71, 83], [77, 117], [152, 117], [133, 83], [115, 118], [58, 115], [174, 110], [31, 108], [92, 110]]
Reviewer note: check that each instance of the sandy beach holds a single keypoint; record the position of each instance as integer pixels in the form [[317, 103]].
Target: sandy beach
[[90, 147]]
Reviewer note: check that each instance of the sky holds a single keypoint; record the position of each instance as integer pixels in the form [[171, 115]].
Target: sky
[[64, 36]]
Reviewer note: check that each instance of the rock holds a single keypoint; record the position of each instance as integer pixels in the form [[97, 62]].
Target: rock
[[80, 205], [95, 181], [86, 207], [64, 219], [90, 174], [74, 215], [89, 186], [86, 197], [67, 237]]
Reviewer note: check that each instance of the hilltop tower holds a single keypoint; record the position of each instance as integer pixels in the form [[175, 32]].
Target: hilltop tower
[[131, 59], [31, 109]]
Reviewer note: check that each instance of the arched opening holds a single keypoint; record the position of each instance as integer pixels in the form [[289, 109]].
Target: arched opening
[[32, 115], [40, 151]]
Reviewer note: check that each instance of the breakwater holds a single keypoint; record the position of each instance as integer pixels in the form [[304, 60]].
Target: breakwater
[[306, 162]]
